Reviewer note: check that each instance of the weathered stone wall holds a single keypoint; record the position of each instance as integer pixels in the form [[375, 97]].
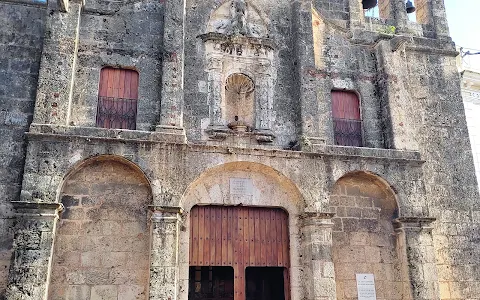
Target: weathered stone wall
[[119, 34], [103, 237], [410, 102], [364, 240], [449, 172], [338, 10], [21, 36]]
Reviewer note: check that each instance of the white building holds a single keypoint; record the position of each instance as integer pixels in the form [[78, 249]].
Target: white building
[[469, 68]]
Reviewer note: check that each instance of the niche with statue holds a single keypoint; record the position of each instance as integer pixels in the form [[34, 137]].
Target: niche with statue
[[239, 64]]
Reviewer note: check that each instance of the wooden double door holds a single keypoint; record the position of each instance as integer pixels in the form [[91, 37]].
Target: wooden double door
[[239, 253]]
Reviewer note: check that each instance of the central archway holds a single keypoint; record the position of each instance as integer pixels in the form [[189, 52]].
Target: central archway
[[244, 187]]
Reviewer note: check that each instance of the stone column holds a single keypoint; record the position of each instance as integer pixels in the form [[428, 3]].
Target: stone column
[[264, 101], [58, 64], [214, 96], [305, 59], [164, 252], [318, 264], [420, 250], [217, 128], [440, 21], [33, 246], [171, 106], [400, 14]]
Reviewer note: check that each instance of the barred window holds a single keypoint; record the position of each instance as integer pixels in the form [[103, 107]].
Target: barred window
[[117, 99], [347, 123]]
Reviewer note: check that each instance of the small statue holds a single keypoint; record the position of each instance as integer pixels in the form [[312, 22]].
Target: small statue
[[238, 13]]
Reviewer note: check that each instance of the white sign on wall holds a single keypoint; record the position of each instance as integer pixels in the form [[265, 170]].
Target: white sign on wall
[[366, 287], [241, 186]]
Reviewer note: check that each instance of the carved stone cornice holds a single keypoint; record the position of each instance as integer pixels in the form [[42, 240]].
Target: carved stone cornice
[[165, 213], [237, 39], [318, 219], [37, 209], [414, 223]]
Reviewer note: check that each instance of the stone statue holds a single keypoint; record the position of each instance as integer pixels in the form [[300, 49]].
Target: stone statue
[[238, 14]]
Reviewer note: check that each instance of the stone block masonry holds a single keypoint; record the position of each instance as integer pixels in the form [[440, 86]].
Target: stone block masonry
[[92, 213], [21, 40]]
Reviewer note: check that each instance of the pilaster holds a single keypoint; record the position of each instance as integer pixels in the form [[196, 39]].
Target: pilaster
[[58, 64], [33, 246], [171, 106], [400, 15], [440, 22], [398, 112], [264, 100], [357, 17], [421, 256], [304, 51], [164, 252], [319, 269]]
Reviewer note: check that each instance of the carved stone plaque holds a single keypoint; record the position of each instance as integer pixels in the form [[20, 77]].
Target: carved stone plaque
[[366, 287], [241, 187]]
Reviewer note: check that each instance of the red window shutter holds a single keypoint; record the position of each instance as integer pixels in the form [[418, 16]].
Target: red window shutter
[[346, 119], [345, 105], [117, 99]]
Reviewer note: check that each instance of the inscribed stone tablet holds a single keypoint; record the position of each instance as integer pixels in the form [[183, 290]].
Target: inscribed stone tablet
[[241, 186], [366, 287]]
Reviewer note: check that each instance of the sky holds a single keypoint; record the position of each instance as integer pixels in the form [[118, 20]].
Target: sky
[[464, 23]]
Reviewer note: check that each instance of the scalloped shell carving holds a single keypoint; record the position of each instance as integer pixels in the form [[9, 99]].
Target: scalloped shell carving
[[239, 83]]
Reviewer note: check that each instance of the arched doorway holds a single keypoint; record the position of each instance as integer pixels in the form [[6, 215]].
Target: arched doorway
[[246, 188], [239, 252]]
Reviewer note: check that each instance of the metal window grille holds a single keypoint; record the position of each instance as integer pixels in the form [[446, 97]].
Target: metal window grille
[[348, 132], [117, 113]]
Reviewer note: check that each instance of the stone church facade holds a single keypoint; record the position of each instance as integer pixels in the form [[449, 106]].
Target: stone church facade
[[186, 149]]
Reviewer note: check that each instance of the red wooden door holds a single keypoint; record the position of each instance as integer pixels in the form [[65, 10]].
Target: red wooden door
[[347, 122], [117, 99], [239, 237]]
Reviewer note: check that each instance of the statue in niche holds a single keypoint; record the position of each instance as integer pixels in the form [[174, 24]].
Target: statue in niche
[[238, 14]]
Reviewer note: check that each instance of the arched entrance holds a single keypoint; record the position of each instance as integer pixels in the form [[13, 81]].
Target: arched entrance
[[239, 252], [242, 190]]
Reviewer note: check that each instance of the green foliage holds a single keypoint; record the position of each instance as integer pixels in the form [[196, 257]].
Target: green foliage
[[388, 30]]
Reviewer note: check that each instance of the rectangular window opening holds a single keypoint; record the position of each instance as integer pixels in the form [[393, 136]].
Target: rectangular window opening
[[210, 283], [347, 122], [117, 99], [265, 283]]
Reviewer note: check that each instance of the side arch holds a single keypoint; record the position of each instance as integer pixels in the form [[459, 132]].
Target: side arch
[[364, 237], [102, 239], [376, 179], [80, 163]]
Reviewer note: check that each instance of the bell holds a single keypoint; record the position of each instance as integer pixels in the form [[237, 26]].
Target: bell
[[367, 4], [409, 7]]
